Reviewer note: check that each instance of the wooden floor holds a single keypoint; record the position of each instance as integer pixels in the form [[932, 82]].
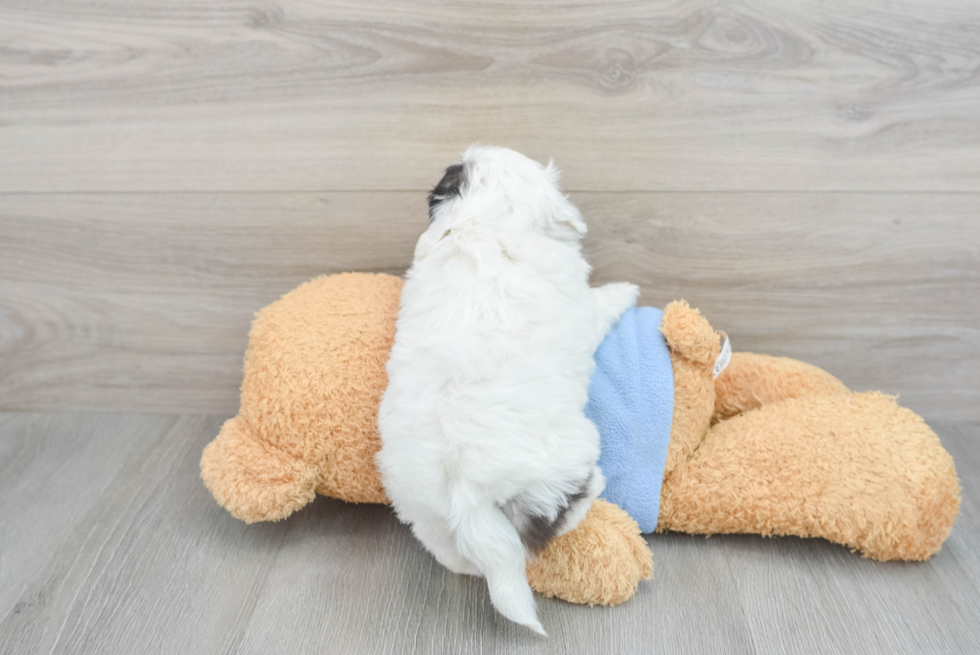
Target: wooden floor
[[111, 544], [806, 173]]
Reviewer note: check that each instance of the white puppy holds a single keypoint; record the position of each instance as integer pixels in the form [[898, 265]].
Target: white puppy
[[486, 451]]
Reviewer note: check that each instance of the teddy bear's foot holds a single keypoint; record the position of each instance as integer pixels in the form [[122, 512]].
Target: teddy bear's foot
[[251, 480], [856, 469], [600, 562], [751, 381]]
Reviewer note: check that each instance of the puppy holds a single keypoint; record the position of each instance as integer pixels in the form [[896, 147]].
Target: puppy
[[486, 452]]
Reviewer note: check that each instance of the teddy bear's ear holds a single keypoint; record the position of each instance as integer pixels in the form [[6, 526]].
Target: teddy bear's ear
[[251, 480], [689, 334]]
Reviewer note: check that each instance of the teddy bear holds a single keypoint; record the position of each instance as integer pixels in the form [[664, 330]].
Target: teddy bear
[[691, 442]]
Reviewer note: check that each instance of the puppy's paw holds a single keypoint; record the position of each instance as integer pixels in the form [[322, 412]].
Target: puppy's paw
[[613, 299]]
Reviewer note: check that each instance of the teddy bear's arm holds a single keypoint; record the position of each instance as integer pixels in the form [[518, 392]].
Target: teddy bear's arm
[[751, 381], [252, 480]]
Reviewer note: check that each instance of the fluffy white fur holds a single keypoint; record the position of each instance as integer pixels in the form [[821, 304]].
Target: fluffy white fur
[[482, 422]]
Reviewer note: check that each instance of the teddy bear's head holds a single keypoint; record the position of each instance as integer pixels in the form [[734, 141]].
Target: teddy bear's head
[[313, 377]]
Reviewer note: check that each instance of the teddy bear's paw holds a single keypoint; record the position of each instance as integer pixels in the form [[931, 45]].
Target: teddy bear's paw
[[600, 562], [252, 480]]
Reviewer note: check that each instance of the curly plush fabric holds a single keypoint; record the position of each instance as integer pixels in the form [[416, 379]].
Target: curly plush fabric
[[757, 380], [694, 347], [600, 562], [314, 375], [855, 469]]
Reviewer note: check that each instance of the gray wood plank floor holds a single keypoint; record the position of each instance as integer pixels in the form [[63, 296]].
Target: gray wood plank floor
[[110, 544]]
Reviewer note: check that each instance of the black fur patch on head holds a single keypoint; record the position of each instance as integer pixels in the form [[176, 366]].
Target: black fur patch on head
[[450, 186], [536, 530]]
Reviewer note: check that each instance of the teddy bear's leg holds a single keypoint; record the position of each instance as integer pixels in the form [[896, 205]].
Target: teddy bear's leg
[[251, 480], [600, 562], [751, 381], [855, 469]]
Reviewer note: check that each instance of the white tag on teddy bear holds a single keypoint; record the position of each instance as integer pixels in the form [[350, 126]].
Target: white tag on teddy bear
[[724, 356]]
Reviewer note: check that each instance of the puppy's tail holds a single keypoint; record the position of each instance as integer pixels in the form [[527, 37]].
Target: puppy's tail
[[487, 538]]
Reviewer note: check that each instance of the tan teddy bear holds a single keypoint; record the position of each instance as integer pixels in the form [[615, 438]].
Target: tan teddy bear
[[772, 446]]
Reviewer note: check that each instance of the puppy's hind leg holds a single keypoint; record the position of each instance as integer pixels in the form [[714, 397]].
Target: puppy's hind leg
[[611, 300], [436, 536]]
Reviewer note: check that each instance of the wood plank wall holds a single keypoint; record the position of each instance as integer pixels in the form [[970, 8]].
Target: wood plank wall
[[808, 174]]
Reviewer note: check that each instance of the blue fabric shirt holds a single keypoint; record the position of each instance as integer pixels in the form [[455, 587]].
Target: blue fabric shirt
[[631, 401]]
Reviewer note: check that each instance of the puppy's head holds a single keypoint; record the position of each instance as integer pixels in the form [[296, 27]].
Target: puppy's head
[[503, 191]]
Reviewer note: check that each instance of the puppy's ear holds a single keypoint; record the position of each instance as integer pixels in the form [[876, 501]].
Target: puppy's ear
[[565, 220], [564, 215], [553, 173], [568, 218]]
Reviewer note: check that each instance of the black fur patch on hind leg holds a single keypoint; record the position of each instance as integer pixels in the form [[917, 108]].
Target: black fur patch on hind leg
[[536, 530]]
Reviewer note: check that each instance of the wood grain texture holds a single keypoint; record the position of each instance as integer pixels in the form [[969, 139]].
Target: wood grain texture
[[807, 173], [111, 545], [680, 95], [143, 301]]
